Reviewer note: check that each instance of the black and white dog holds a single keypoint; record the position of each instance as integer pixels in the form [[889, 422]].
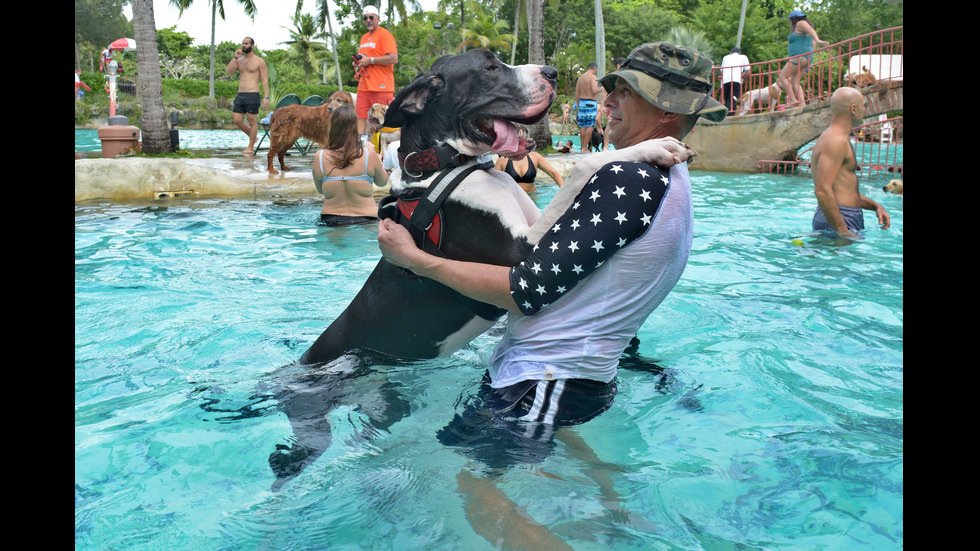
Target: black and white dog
[[450, 118]]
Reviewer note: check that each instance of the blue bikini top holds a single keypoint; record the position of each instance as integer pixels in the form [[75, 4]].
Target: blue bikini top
[[365, 176]]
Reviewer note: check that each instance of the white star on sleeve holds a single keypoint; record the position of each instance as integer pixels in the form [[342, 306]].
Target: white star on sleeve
[[536, 268], [595, 219], [555, 269], [573, 246], [646, 219], [556, 228], [617, 169], [645, 195], [577, 269], [620, 217], [522, 283], [595, 195], [619, 192], [622, 241], [561, 289], [527, 305], [597, 245], [540, 289], [554, 246], [665, 180], [575, 224], [643, 173]]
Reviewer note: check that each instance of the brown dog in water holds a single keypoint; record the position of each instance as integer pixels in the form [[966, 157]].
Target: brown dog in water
[[292, 122], [894, 186]]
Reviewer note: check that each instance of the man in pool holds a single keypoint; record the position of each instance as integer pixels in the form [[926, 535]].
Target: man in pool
[[605, 263], [252, 69], [840, 205]]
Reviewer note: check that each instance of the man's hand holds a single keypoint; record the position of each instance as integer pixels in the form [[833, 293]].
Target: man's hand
[[397, 245]]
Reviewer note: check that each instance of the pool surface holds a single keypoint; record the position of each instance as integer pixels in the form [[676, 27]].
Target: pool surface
[[779, 427]]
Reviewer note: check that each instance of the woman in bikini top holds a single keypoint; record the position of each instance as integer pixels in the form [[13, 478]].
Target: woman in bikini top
[[525, 170], [346, 173]]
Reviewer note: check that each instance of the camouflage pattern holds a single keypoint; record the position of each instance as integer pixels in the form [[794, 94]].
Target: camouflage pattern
[[670, 91]]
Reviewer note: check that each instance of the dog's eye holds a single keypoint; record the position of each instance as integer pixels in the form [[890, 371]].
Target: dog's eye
[[492, 68]]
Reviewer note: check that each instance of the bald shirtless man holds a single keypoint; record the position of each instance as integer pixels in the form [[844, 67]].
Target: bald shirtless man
[[839, 202], [252, 69]]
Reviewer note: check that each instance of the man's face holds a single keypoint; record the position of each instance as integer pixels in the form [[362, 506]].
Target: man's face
[[632, 119], [246, 46], [370, 21]]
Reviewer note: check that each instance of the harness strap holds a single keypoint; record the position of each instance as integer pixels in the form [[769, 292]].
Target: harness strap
[[423, 219]]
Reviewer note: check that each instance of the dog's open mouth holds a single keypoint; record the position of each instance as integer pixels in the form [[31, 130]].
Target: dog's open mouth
[[502, 134]]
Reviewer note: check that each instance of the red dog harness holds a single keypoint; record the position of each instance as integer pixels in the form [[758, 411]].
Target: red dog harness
[[434, 231]]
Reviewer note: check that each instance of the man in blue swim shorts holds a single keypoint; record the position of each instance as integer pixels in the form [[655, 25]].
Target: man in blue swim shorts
[[839, 202], [588, 94], [609, 250]]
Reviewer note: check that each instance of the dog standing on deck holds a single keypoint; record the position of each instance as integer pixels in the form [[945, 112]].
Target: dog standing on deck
[[768, 94], [292, 122]]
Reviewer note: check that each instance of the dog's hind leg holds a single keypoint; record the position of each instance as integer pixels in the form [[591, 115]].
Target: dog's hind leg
[[273, 147]]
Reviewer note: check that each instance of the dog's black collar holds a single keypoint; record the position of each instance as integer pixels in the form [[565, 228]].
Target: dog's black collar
[[421, 164]]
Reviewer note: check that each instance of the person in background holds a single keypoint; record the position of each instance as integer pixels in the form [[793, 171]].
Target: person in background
[[525, 170], [801, 41], [840, 204], [378, 53], [79, 84], [734, 69], [390, 161], [252, 71], [346, 173]]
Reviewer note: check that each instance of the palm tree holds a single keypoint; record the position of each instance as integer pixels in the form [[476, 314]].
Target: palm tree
[[217, 7], [156, 136], [541, 131], [302, 44], [688, 37], [483, 33]]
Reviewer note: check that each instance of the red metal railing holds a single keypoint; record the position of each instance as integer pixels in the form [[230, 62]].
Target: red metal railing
[[853, 62], [877, 148]]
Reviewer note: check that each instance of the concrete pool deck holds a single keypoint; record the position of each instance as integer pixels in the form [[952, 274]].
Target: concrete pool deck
[[223, 174]]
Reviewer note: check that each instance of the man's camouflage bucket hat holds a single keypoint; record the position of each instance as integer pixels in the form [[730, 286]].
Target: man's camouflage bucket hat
[[673, 78]]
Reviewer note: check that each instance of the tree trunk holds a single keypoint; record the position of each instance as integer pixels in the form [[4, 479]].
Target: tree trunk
[[600, 40], [214, 8], [333, 46], [541, 131], [156, 135], [517, 29]]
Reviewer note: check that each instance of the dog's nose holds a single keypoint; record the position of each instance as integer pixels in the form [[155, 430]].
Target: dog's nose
[[549, 72]]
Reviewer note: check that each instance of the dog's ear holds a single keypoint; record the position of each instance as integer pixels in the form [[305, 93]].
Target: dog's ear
[[412, 99]]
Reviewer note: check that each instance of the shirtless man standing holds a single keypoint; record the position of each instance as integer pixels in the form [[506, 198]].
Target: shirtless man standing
[[588, 94], [839, 202], [252, 68]]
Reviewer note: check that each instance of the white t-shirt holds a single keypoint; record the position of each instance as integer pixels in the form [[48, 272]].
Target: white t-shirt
[[390, 161], [733, 60]]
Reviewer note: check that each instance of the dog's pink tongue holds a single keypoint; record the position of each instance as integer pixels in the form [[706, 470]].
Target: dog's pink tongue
[[507, 141]]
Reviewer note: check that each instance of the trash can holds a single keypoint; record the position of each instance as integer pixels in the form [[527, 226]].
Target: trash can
[[117, 139]]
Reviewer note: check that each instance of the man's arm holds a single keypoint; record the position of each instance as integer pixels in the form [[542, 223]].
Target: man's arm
[[264, 78], [829, 165], [483, 282], [233, 64], [884, 220]]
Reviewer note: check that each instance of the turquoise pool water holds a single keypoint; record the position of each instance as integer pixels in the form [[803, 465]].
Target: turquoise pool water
[[783, 428]]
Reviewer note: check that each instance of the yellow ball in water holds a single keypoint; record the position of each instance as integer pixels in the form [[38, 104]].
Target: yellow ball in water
[[798, 242]]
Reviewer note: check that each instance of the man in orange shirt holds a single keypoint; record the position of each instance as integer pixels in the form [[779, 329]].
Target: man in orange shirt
[[378, 56]]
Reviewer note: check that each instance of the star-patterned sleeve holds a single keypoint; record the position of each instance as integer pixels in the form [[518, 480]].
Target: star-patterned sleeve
[[614, 208]]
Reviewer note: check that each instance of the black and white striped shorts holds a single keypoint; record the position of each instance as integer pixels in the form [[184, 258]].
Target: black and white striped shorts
[[502, 427]]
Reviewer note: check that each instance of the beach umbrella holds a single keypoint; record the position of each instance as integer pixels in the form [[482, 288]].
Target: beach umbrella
[[123, 45]]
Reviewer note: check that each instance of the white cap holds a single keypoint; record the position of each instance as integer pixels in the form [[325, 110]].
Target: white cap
[[370, 10]]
